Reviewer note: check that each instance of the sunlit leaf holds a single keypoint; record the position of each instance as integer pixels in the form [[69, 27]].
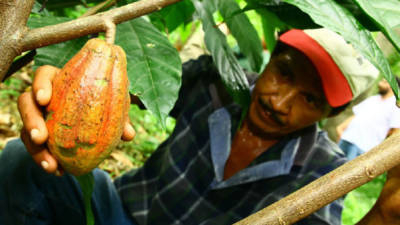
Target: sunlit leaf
[[389, 9], [172, 16], [379, 16]]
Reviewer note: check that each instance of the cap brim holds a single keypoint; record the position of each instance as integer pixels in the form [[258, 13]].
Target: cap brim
[[336, 88]]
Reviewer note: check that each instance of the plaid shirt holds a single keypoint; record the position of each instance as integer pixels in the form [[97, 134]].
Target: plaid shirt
[[182, 183]]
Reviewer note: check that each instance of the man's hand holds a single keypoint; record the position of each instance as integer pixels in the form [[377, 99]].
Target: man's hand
[[34, 133]]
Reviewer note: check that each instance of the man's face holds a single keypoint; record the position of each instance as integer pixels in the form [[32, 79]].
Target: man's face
[[288, 96]]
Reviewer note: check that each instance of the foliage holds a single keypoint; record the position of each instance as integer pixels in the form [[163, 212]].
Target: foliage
[[359, 201], [11, 90], [149, 134], [394, 60]]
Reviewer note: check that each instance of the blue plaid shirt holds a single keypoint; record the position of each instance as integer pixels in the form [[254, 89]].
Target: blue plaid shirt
[[182, 182]]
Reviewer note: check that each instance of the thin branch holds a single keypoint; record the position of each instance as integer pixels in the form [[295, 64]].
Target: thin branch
[[110, 31], [48, 35], [97, 8], [330, 187]]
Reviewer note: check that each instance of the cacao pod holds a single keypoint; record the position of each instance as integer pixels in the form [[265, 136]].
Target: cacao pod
[[89, 106]]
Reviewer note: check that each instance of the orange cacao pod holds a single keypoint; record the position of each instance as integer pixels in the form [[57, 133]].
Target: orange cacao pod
[[89, 106]]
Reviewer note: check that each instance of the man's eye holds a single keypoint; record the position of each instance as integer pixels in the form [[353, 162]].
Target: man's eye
[[310, 98], [284, 70]]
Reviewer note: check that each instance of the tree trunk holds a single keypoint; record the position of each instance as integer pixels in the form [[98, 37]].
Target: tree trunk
[[13, 17]]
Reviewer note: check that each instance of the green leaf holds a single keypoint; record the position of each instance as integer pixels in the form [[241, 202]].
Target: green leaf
[[296, 18], [389, 9], [87, 185], [228, 66], [35, 22], [154, 66], [378, 15], [243, 31], [173, 16], [38, 9], [329, 14], [271, 23], [57, 54], [289, 14]]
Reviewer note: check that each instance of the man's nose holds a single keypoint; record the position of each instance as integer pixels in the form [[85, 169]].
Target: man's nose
[[282, 101]]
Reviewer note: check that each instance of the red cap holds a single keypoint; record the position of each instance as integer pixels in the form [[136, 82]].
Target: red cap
[[337, 89]]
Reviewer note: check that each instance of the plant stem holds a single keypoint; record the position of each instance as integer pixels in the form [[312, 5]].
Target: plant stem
[[101, 6], [111, 29]]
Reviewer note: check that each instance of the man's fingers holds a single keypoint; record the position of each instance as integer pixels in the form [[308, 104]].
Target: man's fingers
[[129, 133], [42, 87], [32, 118], [39, 153]]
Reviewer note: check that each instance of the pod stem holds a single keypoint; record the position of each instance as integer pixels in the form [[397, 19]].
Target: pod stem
[[111, 29], [86, 183]]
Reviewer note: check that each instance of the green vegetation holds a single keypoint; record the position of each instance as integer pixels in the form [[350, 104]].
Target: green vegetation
[[149, 134], [394, 60]]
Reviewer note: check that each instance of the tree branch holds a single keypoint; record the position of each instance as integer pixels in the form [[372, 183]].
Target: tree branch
[[330, 187], [48, 35]]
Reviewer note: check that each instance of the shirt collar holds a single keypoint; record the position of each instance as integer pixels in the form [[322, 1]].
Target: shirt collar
[[220, 127]]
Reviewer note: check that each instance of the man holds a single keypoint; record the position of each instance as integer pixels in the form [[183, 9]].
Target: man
[[374, 119], [211, 170]]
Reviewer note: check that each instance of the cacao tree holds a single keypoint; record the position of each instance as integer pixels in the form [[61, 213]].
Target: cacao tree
[[40, 30]]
